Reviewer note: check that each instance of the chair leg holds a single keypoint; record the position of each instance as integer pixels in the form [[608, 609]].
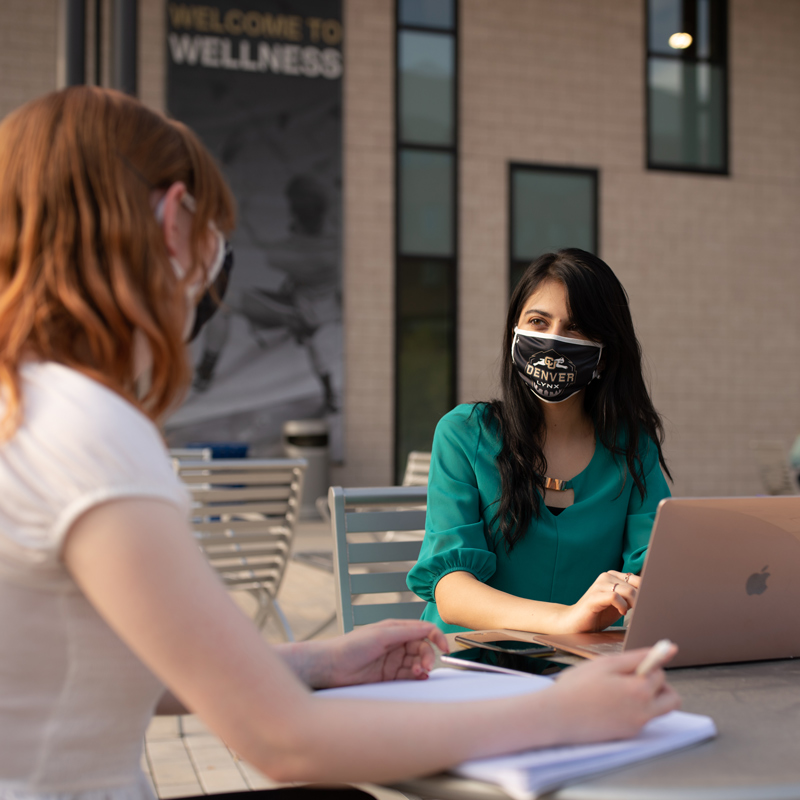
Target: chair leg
[[268, 607], [321, 627], [287, 630]]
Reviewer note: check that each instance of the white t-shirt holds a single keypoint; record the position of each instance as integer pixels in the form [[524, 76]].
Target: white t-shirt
[[74, 700]]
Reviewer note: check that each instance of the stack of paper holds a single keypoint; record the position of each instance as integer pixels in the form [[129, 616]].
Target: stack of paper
[[526, 775]]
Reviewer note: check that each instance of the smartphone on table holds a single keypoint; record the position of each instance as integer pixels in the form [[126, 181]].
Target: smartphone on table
[[482, 658], [505, 645]]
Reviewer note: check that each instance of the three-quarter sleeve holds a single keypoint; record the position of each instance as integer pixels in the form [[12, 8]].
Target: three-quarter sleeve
[[642, 510], [454, 528]]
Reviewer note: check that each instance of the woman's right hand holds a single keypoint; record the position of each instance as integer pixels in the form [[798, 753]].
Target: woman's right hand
[[605, 699], [610, 597]]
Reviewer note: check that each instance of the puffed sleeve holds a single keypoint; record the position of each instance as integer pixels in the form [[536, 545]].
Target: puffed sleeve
[[454, 529], [642, 511]]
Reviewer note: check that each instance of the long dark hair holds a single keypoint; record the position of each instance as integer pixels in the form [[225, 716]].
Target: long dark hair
[[618, 403]]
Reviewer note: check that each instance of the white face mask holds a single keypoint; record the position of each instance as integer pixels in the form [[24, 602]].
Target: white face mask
[[200, 303]]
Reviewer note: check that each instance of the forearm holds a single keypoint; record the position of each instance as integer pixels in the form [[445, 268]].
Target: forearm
[[462, 599], [383, 742]]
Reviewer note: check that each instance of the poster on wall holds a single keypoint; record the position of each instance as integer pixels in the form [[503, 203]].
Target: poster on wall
[[260, 82]]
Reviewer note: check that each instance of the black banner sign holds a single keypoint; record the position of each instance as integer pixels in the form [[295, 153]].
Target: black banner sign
[[260, 82]]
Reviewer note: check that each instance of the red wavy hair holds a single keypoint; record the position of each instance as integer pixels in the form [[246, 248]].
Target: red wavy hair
[[83, 263]]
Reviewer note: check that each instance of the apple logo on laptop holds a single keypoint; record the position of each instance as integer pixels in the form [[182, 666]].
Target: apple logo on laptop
[[757, 582]]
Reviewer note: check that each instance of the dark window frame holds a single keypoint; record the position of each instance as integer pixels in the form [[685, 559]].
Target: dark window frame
[[399, 256], [679, 56], [532, 166]]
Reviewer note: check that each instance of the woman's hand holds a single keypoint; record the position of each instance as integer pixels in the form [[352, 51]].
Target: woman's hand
[[610, 597], [604, 699], [390, 650]]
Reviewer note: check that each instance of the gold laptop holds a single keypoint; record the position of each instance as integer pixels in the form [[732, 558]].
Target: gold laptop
[[721, 579]]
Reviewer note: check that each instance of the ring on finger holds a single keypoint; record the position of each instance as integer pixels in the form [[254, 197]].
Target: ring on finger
[[627, 576], [614, 587]]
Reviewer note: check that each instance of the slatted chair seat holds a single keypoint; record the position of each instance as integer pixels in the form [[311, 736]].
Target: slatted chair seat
[[366, 569], [244, 513]]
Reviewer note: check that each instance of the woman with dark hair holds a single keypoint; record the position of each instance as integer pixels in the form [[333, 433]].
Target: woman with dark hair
[[540, 504]]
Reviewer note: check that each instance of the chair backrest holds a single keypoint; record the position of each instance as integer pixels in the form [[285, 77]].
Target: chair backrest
[[243, 516], [366, 568], [774, 469], [418, 465], [191, 453]]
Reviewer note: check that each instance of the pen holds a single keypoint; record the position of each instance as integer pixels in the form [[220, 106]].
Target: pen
[[654, 657]]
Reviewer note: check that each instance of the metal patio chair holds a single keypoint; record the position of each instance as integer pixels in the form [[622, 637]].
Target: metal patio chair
[[418, 465], [244, 513], [191, 453], [774, 470], [367, 567]]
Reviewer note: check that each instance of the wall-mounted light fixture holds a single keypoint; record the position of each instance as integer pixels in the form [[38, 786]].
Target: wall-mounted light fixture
[[680, 41]]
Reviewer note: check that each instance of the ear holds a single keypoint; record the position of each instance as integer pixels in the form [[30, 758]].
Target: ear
[[172, 222]]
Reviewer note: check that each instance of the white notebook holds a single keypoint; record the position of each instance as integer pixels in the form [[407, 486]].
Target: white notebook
[[529, 774]]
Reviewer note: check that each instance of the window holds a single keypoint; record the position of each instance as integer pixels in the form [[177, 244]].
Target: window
[[549, 208], [687, 85], [426, 236]]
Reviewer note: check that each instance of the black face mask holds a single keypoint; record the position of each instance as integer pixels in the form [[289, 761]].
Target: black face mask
[[554, 367], [212, 296]]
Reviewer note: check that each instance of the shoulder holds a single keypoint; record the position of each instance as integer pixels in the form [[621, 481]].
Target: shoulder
[[463, 434], [467, 417], [82, 415], [466, 423], [79, 444]]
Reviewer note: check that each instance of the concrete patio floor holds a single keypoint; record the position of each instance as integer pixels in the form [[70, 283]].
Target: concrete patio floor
[[182, 757]]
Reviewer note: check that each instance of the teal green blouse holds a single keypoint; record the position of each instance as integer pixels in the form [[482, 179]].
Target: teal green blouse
[[559, 557]]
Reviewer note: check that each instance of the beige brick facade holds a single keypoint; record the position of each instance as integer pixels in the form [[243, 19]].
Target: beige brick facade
[[28, 50], [368, 251], [710, 263]]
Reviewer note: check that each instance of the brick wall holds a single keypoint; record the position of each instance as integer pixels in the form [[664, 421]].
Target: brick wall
[[152, 64], [30, 45], [710, 263], [28, 51], [368, 253]]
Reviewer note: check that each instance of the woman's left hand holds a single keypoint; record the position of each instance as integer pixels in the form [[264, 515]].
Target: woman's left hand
[[390, 650], [610, 597]]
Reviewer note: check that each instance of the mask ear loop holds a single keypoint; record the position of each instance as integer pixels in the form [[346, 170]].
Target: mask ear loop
[[597, 372], [190, 204], [219, 256]]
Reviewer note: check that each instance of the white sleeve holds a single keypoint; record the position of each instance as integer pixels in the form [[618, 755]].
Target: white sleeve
[[79, 445]]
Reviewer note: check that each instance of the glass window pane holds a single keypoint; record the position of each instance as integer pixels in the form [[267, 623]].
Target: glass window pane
[[426, 335], [426, 203], [702, 40], [426, 67], [551, 210], [686, 107], [427, 13], [664, 17]]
